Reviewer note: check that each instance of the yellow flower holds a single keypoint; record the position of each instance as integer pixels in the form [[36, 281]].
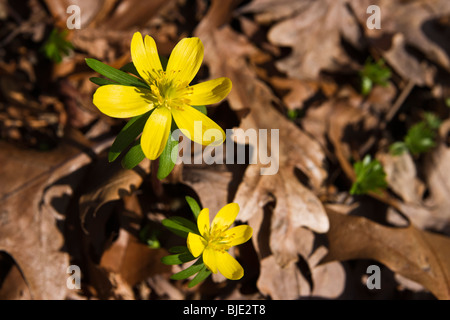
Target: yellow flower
[[170, 94], [214, 242]]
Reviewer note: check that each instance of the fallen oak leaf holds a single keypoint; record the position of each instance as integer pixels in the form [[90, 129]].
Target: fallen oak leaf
[[109, 183], [29, 229], [415, 254]]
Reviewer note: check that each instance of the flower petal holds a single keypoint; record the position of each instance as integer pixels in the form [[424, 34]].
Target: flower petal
[[198, 127], [122, 101], [196, 244], [209, 92], [185, 60], [145, 57], [239, 234], [156, 132], [226, 216], [203, 222], [210, 259], [228, 266]]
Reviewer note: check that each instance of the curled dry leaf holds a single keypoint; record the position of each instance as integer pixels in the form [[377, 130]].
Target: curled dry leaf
[[203, 181], [109, 183], [421, 25], [29, 220], [314, 34], [419, 255], [402, 177]]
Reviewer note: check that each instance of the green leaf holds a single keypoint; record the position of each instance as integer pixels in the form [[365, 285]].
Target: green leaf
[[432, 120], [202, 275], [134, 156], [420, 138], [127, 135], [101, 81], [374, 73], [398, 148], [179, 258], [178, 249], [370, 176], [202, 109], [191, 270], [150, 237], [195, 207], [366, 85], [129, 67], [118, 76], [56, 46], [166, 164], [180, 226]]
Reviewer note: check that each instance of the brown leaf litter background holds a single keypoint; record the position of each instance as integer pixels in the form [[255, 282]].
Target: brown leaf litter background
[[63, 204]]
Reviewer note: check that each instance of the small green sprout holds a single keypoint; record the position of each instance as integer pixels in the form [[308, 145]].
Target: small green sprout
[[56, 46], [370, 176], [374, 73], [150, 237], [420, 137], [293, 114]]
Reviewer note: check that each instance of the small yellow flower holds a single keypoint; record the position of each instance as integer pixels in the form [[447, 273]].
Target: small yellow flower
[[214, 242], [170, 94]]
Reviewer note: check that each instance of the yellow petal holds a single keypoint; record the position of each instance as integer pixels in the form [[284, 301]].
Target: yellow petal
[[195, 244], [156, 132], [185, 60], [203, 222], [239, 234], [198, 127], [145, 57], [122, 101], [226, 216], [210, 259], [209, 92], [228, 266]]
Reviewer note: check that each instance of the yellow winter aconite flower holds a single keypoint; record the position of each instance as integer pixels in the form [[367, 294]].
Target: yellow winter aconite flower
[[170, 95], [213, 242]]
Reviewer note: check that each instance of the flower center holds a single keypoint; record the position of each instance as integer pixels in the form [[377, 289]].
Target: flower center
[[169, 93], [218, 239]]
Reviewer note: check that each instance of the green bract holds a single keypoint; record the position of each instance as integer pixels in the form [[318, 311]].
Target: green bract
[[420, 137], [127, 139], [180, 254], [374, 73], [56, 46], [370, 176]]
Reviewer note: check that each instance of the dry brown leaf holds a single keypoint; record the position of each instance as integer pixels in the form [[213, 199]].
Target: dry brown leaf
[[108, 183], [269, 11], [314, 34], [402, 177], [281, 283], [203, 181], [437, 168], [418, 255], [298, 90], [29, 229], [133, 260], [420, 25]]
